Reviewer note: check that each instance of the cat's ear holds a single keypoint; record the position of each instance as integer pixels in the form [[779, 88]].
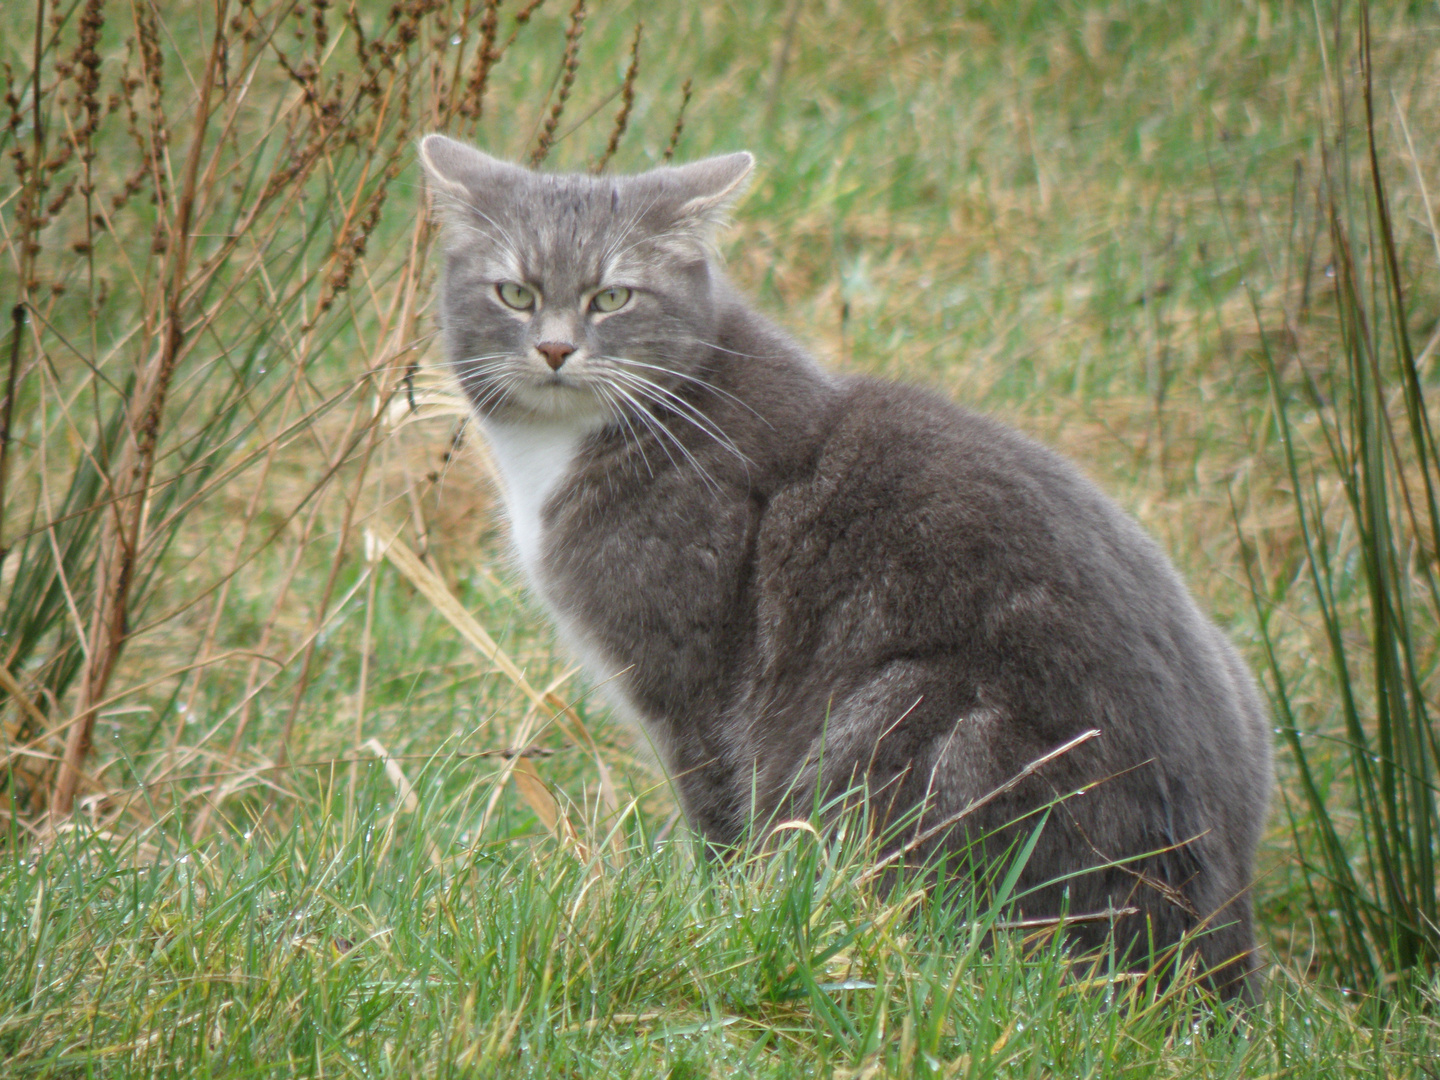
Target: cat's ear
[[710, 187], [694, 199], [460, 176]]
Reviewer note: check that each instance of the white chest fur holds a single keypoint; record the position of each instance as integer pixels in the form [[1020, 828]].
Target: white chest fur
[[533, 460]]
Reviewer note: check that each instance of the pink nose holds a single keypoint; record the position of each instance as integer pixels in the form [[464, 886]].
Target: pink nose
[[555, 352]]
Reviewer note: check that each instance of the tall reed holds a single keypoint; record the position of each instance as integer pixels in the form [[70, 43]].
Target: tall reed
[[1353, 404]]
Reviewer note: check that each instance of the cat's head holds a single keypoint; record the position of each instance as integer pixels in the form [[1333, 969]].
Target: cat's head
[[576, 297]]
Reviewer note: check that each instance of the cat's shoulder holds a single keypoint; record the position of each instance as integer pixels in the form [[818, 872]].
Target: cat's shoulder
[[919, 427]]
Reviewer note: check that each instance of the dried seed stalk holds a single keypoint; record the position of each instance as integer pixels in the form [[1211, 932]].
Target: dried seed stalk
[[122, 533], [31, 174], [472, 103], [569, 64], [212, 224], [679, 122], [627, 102]]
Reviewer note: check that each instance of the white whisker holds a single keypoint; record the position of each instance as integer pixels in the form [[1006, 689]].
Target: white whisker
[[691, 410], [505, 240], [611, 256], [733, 352], [648, 421], [676, 441], [470, 360], [682, 408], [608, 394], [691, 379], [661, 433], [494, 393]]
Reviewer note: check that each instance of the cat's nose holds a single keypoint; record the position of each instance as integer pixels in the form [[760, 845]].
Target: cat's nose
[[555, 352]]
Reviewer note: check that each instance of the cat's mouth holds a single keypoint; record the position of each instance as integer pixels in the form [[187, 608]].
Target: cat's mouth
[[560, 382], [554, 395]]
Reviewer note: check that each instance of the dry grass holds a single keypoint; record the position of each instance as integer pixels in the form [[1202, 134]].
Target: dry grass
[[197, 237]]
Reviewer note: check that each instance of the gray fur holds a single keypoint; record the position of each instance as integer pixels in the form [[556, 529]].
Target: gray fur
[[805, 579]]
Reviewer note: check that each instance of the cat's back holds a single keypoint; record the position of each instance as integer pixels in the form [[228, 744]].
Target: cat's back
[[902, 477]]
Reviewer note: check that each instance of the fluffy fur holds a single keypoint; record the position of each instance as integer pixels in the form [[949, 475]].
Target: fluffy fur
[[805, 580]]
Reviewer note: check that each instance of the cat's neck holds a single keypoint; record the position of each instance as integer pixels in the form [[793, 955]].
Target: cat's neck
[[764, 380]]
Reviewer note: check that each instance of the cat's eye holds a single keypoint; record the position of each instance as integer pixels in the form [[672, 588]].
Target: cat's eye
[[516, 296], [608, 300]]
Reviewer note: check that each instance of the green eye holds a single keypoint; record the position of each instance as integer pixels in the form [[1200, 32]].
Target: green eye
[[516, 296], [611, 299]]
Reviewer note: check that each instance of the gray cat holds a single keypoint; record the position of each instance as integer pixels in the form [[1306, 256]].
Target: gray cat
[[794, 581]]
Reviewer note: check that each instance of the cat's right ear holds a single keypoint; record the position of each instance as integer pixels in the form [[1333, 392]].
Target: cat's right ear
[[460, 176]]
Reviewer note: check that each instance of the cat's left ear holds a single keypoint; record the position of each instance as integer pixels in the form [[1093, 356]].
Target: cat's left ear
[[710, 187], [695, 198]]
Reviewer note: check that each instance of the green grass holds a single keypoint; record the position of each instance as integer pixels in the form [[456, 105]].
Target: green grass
[[1098, 221], [341, 944]]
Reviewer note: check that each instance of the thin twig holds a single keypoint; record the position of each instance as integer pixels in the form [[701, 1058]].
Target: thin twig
[[17, 328], [782, 62], [975, 804]]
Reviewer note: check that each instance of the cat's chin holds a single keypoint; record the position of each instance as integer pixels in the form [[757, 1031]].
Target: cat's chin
[[551, 403]]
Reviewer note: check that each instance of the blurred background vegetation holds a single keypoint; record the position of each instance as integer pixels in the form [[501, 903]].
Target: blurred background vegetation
[[1194, 246]]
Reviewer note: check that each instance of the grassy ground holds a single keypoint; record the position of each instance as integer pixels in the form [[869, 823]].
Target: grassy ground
[[296, 849]]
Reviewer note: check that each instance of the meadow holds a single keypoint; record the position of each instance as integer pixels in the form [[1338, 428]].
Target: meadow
[[296, 780]]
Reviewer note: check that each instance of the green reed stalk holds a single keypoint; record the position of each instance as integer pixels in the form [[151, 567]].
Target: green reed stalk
[[1371, 558]]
